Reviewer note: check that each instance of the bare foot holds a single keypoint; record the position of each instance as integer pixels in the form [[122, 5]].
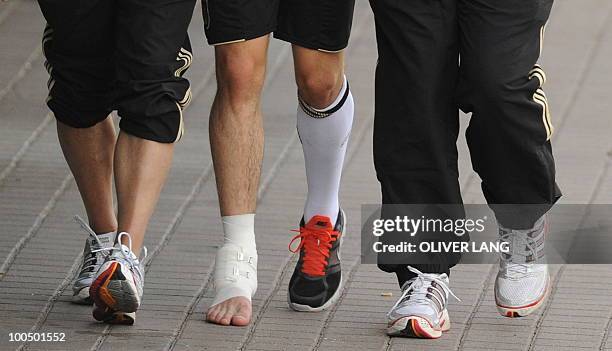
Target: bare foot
[[235, 311]]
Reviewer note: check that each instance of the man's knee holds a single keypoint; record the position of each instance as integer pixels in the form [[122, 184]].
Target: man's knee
[[493, 82], [319, 76], [319, 88], [240, 74]]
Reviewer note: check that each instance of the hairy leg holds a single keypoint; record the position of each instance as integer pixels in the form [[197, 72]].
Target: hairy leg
[[236, 127], [236, 137]]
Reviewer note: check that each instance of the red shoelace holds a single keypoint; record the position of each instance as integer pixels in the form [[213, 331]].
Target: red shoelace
[[316, 242]]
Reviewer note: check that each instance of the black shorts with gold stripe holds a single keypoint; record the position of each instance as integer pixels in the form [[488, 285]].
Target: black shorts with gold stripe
[[127, 55]]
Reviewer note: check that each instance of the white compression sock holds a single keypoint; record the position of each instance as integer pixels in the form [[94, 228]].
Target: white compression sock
[[324, 134], [236, 260]]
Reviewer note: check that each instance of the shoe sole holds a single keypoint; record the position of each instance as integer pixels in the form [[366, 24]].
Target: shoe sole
[[523, 311], [335, 297], [107, 315], [116, 294], [417, 327], [82, 297]]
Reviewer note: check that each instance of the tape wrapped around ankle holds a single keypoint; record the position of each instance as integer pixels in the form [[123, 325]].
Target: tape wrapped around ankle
[[235, 273]]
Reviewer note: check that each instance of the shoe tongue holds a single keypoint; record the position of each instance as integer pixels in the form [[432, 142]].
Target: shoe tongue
[[320, 222], [521, 252], [107, 240]]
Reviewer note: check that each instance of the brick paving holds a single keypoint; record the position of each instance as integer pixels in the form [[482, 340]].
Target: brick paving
[[40, 246]]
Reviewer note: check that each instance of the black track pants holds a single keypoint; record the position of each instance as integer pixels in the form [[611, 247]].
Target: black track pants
[[436, 56]]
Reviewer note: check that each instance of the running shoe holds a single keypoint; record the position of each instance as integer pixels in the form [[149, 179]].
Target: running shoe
[[317, 278], [93, 257], [522, 283], [421, 311], [118, 286]]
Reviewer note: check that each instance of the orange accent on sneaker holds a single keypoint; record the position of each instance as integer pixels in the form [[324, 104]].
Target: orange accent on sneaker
[[414, 324], [99, 291], [419, 331], [316, 238]]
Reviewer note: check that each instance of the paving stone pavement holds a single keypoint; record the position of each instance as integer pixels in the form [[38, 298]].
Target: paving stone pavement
[[40, 245]]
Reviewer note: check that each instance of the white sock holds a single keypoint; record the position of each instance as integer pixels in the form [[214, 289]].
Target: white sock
[[236, 261], [324, 134]]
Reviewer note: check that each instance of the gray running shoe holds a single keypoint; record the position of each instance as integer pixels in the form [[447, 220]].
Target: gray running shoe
[[522, 283], [421, 310], [118, 285]]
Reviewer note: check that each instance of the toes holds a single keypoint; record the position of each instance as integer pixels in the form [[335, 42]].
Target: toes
[[222, 317], [226, 320], [242, 316], [226, 317], [230, 312], [210, 311], [215, 313], [211, 314], [221, 312], [240, 321]]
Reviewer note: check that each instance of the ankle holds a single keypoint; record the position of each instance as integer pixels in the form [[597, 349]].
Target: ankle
[[240, 230]]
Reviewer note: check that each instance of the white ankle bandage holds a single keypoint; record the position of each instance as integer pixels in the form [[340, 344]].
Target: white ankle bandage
[[236, 260]]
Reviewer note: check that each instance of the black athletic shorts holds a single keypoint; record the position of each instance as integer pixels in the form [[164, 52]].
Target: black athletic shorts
[[124, 55], [314, 24]]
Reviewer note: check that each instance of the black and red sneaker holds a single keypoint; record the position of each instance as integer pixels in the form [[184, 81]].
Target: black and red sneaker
[[317, 278]]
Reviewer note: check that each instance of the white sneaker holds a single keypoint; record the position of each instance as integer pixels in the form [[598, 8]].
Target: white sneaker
[[421, 310], [522, 283], [93, 257], [119, 284]]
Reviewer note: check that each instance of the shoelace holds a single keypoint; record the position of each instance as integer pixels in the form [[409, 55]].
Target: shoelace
[[519, 239], [126, 252], [419, 288], [316, 244], [518, 270], [91, 260], [104, 252]]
